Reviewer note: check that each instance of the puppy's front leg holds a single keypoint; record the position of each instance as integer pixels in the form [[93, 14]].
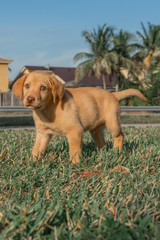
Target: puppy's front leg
[[40, 145], [75, 142]]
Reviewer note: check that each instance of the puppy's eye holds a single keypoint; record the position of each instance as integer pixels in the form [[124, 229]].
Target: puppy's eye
[[27, 85], [43, 88]]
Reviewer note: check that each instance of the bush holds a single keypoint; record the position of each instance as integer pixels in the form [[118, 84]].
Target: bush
[[153, 94]]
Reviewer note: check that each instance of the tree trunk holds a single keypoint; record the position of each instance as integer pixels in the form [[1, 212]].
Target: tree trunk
[[104, 82]]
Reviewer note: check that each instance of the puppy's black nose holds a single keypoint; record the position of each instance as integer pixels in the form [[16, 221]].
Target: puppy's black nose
[[30, 99]]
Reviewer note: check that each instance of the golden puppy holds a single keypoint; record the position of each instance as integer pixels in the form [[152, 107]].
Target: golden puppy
[[70, 111]]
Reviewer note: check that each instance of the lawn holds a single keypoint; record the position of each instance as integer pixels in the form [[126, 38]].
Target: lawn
[[27, 120], [106, 196]]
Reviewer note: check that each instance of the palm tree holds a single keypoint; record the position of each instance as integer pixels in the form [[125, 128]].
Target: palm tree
[[100, 60], [150, 43], [124, 47], [123, 43]]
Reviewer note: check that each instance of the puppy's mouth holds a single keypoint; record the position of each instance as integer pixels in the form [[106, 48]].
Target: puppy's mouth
[[33, 105], [30, 106]]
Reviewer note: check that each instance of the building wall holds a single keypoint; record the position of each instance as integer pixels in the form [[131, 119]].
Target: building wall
[[3, 77]]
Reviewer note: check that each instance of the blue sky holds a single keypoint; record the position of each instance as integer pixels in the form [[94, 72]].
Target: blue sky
[[41, 32]]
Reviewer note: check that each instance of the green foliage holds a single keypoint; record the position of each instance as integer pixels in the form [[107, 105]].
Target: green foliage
[[124, 47], [121, 52], [108, 52], [123, 43], [100, 60], [153, 93], [51, 199], [150, 38]]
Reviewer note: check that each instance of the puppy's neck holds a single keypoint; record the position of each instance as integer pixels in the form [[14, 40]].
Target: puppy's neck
[[47, 114]]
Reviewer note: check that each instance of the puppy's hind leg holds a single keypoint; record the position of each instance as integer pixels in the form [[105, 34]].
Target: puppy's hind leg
[[113, 125], [98, 136]]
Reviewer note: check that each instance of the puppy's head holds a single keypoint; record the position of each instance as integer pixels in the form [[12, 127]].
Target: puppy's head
[[36, 89]]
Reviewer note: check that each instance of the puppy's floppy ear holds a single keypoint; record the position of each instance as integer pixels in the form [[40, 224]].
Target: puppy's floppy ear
[[17, 87], [57, 89]]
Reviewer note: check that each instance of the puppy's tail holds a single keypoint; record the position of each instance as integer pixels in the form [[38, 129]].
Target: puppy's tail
[[128, 93]]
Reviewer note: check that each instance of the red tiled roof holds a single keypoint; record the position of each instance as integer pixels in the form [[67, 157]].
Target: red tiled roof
[[68, 75]]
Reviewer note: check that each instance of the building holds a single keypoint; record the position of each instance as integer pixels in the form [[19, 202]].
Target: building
[[4, 74], [67, 76]]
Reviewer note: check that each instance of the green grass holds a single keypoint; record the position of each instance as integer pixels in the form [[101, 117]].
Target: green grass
[[139, 118], [53, 199], [28, 120], [17, 121]]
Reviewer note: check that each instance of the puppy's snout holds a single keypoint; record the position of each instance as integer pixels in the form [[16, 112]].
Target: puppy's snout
[[30, 99]]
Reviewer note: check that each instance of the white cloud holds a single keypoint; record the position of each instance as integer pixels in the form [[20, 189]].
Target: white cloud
[[41, 55]]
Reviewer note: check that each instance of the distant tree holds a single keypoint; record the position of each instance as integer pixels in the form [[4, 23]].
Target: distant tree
[[124, 47], [100, 60], [123, 44], [150, 44], [153, 93], [120, 53], [150, 38]]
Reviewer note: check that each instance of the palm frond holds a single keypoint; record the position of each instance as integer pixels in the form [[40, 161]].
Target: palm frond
[[141, 36], [151, 38], [82, 55], [156, 36], [112, 57], [83, 69], [139, 56], [89, 36], [144, 29]]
